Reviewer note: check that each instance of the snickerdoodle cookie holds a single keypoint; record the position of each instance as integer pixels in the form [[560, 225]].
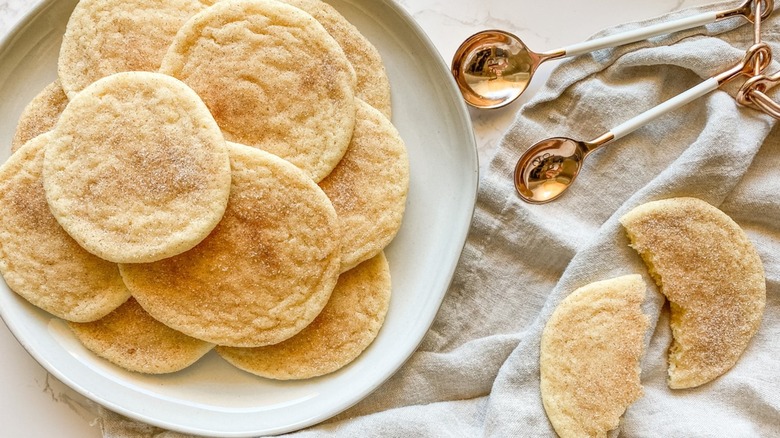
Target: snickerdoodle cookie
[[712, 276], [137, 170], [40, 115], [373, 85], [369, 187], [104, 37], [38, 259], [132, 339], [266, 270], [345, 327], [590, 354], [272, 77]]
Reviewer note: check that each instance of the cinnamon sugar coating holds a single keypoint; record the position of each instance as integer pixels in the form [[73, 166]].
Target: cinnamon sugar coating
[[369, 187], [40, 115], [104, 37], [131, 339], [266, 270], [38, 259], [272, 77], [137, 170], [591, 349], [345, 327], [712, 276]]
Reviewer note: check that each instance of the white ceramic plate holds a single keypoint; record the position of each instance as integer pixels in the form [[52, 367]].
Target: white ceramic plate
[[212, 397]]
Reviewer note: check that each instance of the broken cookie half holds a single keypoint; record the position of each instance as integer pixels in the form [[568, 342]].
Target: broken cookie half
[[590, 356], [713, 278]]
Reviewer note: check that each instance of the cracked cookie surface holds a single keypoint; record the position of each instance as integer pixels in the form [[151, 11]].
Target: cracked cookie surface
[[104, 37], [345, 327], [272, 77], [38, 259], [712, 276], [137, 170], [266, 270]]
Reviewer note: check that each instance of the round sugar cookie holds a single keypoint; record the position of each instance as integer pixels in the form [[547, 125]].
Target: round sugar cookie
[[38, 259], [713, 278], [369, 187], [130, 338], [40, 115], [345, 327], [590, 355], [137, 170], [273, 78], [373, 85], [104, 37], [266, 270]]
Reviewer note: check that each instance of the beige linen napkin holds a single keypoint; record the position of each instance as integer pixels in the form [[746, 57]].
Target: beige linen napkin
[[477, 371]]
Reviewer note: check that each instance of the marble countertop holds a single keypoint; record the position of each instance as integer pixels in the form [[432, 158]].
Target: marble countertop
[[35, 404]]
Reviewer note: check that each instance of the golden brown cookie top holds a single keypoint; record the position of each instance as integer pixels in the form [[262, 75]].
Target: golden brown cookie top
[[345, 327], [137, 169], [272, 77], [591, 349], [713, 278], [266, 270], [131, 339], [38, 259], [104, 37]]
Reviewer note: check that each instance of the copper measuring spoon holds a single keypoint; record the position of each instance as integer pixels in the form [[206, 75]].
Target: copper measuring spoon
[[492, 68], [549, 167]]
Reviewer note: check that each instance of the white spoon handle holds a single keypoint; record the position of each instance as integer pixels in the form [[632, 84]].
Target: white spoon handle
[[640, 34], [672, 104]]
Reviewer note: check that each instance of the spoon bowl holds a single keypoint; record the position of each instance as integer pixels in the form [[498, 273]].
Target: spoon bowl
[[548, 168], [492, 68]]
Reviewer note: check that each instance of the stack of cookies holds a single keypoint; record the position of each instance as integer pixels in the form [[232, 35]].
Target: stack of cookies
[[209, 174]]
